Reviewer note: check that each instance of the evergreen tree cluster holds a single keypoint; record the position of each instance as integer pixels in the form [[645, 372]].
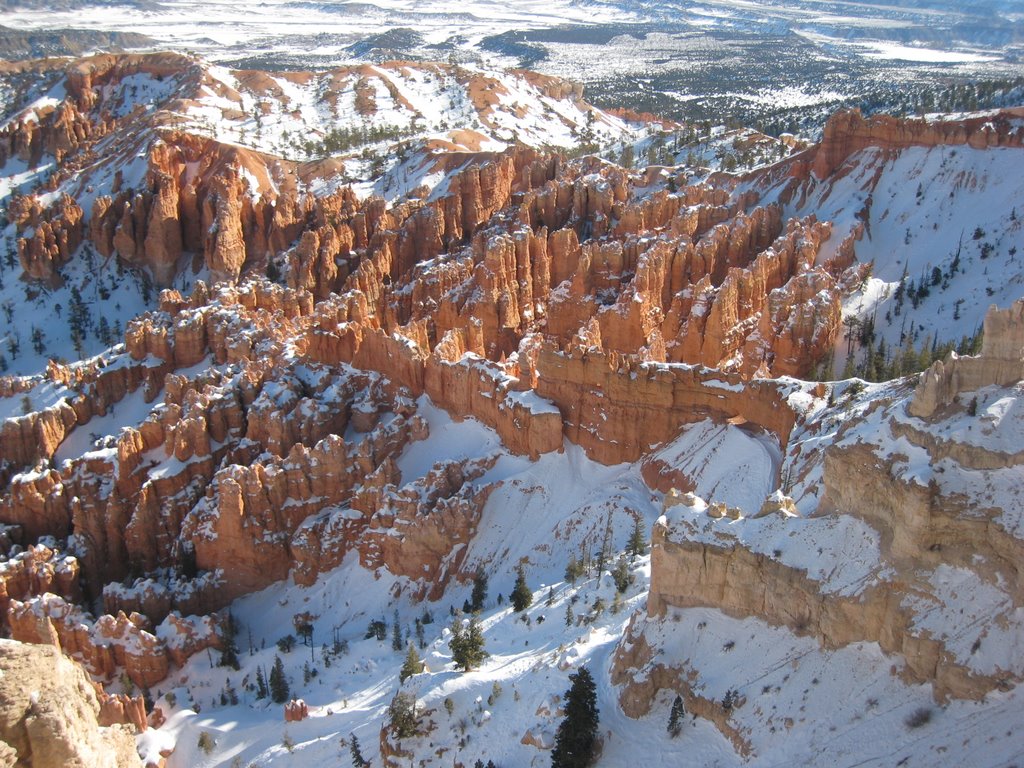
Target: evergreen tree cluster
[[339, 140], [882, 362]]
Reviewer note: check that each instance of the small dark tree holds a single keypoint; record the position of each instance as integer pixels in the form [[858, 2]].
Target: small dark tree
[[729, 700], [396, 633], [972, 407], [261, 684], [229, 648], [675, 717], [412, 665], [206, 742], [637, 545], [278, 682], [621, 575], [378, 629], [358, 761], [273, 271], [467, 645], [604, 553], [522, 596], [229, 654], [421, 641], [38, 344], [476, 600], [576, 738], [572, 570], [303, 623]]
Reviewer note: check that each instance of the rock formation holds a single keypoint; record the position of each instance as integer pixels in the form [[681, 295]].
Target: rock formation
[[1000, 363], [848, 132], [51, 716], [549, 300]]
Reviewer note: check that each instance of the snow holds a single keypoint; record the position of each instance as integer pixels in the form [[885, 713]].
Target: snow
[[129, 412], [977, 621], [804, 705], [926, 206], [885, 50], [713, 455], [840, 552], [539, 512], [43, 395], [998, 426]]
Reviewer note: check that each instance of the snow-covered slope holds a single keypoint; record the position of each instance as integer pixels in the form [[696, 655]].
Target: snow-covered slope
[[941, 234], [796, 702]]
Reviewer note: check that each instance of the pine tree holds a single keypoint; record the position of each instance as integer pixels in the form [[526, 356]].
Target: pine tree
[[621, 575], [570, 617], [467, 645], [358, 761], [572, 570], [675, 717], [576, 738], [402, 714], [229, 656], [522, 596], [229, 649], [604, 553], [412, 665], [261, 684], [637, 545], [476, 600], [421, 641], [278, 682], [396, 634]]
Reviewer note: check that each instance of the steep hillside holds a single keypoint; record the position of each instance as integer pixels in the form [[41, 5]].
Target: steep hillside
[[343, 410], [934, 210]]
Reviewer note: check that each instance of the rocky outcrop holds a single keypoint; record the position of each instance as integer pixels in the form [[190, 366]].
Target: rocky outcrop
[[49, 243], [50, 715], [295, 711], [27, 439], [36, 571], [740, 583], [637, 692], [112, 643], [616, 415], [1001, 363], [849, 132]]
